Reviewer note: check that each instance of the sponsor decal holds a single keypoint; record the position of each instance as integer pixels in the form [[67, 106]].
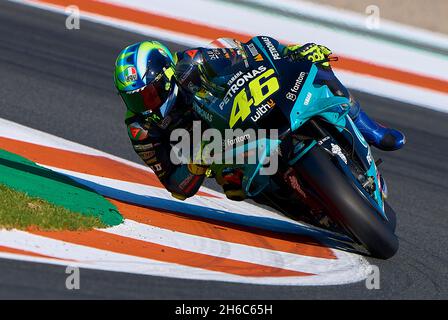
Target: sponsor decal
[[308, 98], [336, 150], [369, 157], [260, 89], [147, 155], [294, 91], [213, 54], [134, 131], [253, 51], [236, 140], [184, 183], [130, 74], [265, 107], [274, 53], [291, 179], [240, 82], [145, 147], [320, 142], [291, 96], [241, 52], [157, 167], [202, 113], [137, 132], [234, 77], [192, 53], [259, 58], [151, 161]]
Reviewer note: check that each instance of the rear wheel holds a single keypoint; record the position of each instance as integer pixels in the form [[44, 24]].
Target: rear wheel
[[347, 204]]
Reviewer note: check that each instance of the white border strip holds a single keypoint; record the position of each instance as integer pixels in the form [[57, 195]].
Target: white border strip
[[356, 268], [230, 250], [356, 20]]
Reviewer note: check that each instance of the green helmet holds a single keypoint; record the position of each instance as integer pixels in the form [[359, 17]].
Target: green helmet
[[144, 78]]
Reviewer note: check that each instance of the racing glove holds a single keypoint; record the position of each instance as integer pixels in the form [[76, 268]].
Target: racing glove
[[231, 180], [196, 166], [197, 169], [310, 51]]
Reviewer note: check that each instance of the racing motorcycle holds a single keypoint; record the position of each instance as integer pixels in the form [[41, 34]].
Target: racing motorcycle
[[327, 176]]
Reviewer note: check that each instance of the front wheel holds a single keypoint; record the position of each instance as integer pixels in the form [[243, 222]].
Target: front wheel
[[346, 204]]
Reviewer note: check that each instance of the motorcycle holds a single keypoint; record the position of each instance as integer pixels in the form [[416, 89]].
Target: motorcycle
[[327, 176]]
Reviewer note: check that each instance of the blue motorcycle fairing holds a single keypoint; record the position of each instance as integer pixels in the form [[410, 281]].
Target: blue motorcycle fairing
[[319, 101], [313, 99]]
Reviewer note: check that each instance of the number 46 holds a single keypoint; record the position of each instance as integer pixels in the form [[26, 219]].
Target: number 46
[[242, 103]]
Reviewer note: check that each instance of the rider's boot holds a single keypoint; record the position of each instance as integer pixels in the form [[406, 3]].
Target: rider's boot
[[383, 138]]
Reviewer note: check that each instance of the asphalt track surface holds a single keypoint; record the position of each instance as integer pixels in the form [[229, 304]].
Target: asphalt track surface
[[60, 82]]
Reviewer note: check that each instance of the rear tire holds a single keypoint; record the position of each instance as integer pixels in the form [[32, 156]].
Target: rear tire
[[347, 205]]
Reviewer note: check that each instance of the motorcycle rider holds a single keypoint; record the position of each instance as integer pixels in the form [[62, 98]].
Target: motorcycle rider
[[158, 90]]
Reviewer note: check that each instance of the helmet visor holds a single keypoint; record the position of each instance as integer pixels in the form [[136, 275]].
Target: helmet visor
[[149, 98]]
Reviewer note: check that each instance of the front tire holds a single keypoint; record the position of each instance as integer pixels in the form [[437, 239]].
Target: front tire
[[346, 204]]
